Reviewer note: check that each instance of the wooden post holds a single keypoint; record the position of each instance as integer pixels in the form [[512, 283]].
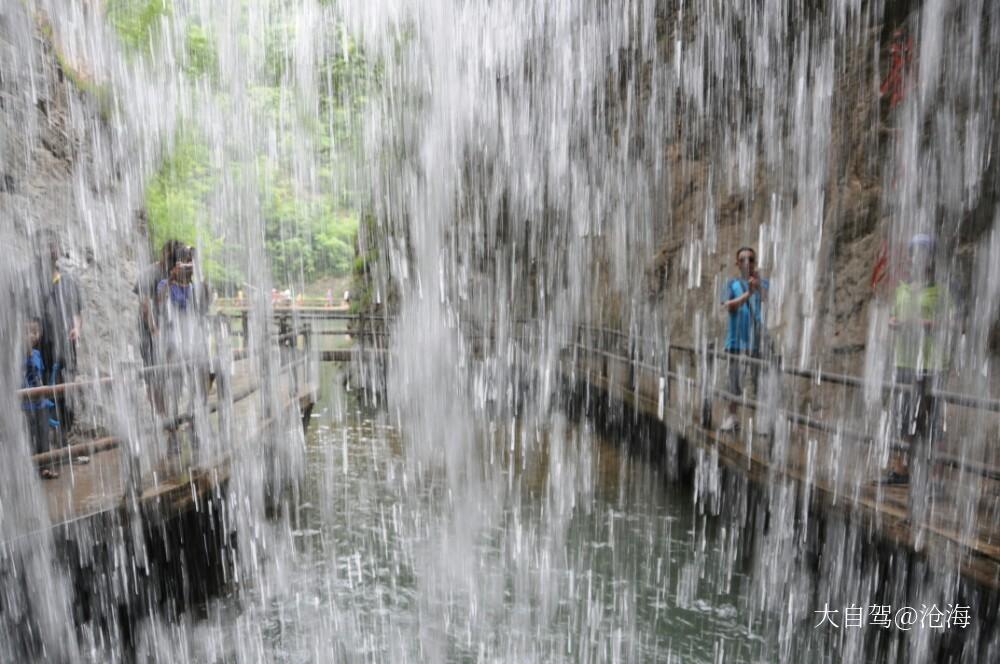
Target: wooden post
[[706, 387], [128, 384]]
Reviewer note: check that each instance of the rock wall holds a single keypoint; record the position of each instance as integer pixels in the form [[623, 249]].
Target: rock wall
[[703, 213], [58, 170]]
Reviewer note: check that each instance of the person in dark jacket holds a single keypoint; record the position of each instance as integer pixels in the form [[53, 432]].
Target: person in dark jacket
[[62, 323]]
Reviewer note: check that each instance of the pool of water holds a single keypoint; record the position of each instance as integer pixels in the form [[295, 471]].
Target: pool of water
[[570, 549]]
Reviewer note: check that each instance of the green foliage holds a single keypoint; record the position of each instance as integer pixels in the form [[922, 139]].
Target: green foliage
[[306, 238], [176, 205], [136, 21], [200, 53], [362, 281], [307, 235]]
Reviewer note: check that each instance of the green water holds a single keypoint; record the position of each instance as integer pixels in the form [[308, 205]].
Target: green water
[[590, 556]]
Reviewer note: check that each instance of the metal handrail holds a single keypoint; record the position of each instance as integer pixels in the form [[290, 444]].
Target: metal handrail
[[306, 312], [62, 388], [110, 442], [957, 398], [798, 418]]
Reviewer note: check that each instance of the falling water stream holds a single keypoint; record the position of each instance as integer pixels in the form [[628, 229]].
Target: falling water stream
[[594, 557], [523, 168]]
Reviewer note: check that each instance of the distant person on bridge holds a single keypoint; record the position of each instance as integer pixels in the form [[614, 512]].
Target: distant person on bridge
[[920, 318], [742, 297], [62, 323], [149, 328]]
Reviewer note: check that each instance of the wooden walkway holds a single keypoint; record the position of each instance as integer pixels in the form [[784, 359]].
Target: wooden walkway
[[942, 534], [371, 330], [179, 481], [302, 312]]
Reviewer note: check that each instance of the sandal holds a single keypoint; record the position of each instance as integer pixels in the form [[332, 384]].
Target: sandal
[[49, 474], [893, 478], [730, 425]]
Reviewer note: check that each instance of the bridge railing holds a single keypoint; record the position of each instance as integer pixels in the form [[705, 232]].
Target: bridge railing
[[130, 372], [625, 348], [956, 398], [601, 340]]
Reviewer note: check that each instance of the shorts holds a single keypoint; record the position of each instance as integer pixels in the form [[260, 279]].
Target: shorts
[[738, 370], [917, 411]]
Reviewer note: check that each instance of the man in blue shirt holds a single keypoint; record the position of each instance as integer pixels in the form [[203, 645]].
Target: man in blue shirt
[[742, 297]]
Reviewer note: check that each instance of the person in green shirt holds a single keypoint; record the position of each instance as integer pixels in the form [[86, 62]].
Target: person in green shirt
[[920, 314]]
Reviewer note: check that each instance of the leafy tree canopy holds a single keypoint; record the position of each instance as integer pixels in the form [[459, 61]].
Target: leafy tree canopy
[[307, 235]]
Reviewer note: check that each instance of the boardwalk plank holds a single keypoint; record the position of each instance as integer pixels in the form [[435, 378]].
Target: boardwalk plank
[[98, 487], [884, 509]]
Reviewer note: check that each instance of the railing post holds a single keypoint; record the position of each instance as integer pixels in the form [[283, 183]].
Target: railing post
[[282, 330], [312, 359], [223, 366], [665, 393], [706, 385], [633, 358], [125, 388]]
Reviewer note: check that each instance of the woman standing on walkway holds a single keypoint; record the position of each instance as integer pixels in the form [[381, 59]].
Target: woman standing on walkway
[[181, 344]]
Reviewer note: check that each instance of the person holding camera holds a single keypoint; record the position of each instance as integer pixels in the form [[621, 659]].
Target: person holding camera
[[742, 297], [181, 341], [146, 288]]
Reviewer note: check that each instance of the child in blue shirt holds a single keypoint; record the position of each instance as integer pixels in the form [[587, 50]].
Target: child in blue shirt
[[37, 409]]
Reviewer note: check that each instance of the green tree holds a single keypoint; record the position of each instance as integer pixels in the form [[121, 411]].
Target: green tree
[[137, 21], [307, 235], [177, 198]]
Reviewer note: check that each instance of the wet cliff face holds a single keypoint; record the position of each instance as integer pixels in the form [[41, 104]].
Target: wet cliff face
[[616, 189], [57, 172], [799, 177], [867, 133]]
